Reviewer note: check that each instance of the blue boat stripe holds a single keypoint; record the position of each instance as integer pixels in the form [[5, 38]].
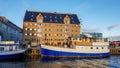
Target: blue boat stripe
[[48, 52]]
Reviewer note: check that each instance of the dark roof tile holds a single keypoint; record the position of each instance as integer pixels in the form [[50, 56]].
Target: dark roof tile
[[50, 17]]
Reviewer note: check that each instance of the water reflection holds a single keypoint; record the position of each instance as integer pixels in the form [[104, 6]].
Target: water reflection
[[37, 62]]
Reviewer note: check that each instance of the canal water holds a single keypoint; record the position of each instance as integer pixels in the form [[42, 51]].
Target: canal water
[[37, 62]]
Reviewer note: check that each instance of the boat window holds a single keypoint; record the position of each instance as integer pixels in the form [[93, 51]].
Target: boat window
[[91, 47], [1, 48], [11, 48], [102, 47], [96, 47]]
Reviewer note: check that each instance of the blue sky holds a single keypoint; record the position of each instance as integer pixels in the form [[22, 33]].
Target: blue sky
[[97, 15]]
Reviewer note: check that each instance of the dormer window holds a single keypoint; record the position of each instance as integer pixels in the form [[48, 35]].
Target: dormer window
[[55, 20], [50, 20], [55, 17], [60, 17], [50, 16], [67, 22], [31, 19], [31, 15], [45, 16], [39, 20]]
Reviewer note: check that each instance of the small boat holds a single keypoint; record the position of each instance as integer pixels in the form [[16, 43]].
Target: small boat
[[8, 49], [84, 47]]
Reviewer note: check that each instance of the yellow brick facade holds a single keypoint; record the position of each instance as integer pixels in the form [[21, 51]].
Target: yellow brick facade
[[49, 33]]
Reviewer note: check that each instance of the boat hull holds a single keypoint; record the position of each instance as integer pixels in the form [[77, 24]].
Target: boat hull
[[53, 53], [12, 55]]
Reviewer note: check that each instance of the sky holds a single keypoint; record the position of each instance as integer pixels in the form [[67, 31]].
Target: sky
[[101, 16]]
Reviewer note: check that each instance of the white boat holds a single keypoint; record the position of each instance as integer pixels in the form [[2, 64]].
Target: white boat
[[78, 47], [8, 49]]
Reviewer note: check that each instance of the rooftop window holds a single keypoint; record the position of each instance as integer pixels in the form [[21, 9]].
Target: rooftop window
[[31, 15], [45, 16], [31, 19], [55, 17], [55, 20], [50, 20], [50, 16], [40, 20], [60, 17]]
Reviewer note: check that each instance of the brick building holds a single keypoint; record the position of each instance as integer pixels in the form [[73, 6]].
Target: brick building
[[49, 28]]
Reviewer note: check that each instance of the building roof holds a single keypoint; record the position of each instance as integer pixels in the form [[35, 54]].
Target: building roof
[[30, 16], [9, 23]]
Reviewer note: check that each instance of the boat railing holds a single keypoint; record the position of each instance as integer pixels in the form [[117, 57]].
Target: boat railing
[[98, 40]]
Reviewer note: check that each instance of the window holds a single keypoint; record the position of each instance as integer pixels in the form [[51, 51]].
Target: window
[[26, 24], [31, 19], [55, 20], [40, 20], [50, 16], [60, 29], [57, 29], [1, 48], [49, 34], [35, 24], [34, 34], [30, 28], [71, 17], [30, 34], [96, 47], [55, 34], [26, 34], [60, 17], [45, 16], [102, 47], [39, 25], [30, 23], [25, 28], [67, 22], [66, 26], [35, 29], [50, 20], [31, 15], [55, 17], [49, 29], [45, 29], [91, 47]]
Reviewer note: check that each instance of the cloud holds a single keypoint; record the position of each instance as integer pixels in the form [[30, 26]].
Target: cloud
[[90, 30], [25, 4], [113, 26], [82, 7]]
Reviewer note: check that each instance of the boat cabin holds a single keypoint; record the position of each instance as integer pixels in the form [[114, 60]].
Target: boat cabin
[[8, 46]]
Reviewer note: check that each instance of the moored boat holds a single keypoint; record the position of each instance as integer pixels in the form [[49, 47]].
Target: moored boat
[[78, 47], [8, 49]]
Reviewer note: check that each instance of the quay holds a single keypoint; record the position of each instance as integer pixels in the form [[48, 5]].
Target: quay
[[33, 52], [115, 51], [36, 51]]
